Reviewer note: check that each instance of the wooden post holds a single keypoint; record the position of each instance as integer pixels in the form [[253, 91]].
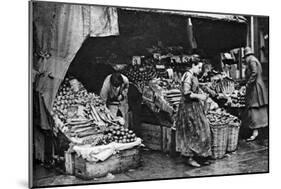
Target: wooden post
[[252, 33], [240, 64], [173, 138], [256, 38]]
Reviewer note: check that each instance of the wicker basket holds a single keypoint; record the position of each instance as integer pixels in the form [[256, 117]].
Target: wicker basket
[[219, 140], [233, 134]]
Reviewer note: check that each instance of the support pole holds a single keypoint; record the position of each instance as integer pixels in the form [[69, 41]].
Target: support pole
[[252, 33], [240, 64]]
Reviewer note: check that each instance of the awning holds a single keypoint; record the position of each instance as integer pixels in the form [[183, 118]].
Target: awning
[[214, 33], [210, 16]]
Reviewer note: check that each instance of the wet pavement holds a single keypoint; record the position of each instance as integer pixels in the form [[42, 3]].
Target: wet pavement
[[249, 158]]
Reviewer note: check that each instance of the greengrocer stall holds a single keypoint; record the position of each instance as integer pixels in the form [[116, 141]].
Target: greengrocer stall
[[69, 79]]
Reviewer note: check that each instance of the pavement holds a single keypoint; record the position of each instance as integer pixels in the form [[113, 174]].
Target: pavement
[[250, 157]]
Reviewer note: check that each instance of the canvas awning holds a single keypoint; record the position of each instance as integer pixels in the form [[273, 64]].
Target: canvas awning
[[59, 30], [210, 16]]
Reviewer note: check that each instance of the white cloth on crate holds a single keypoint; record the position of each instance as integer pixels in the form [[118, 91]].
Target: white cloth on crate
[[103, 152]]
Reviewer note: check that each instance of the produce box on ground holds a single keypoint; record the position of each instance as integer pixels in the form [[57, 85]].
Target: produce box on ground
[[233, 135], [157, 137], [120, 162], [224, 130], [219, 140]]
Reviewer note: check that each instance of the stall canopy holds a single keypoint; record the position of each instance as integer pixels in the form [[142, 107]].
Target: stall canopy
[[211, 33], [140, 29], [58, 32], [143, 28]]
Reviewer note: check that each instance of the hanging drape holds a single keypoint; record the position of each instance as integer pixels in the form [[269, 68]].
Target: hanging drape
[[59, 31], [191, 40]]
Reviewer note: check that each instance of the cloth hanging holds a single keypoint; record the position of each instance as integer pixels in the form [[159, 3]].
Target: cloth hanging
[[191, 39], [59, 30], [104, 21]]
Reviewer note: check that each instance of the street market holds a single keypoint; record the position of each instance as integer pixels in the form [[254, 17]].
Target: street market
[[125, 94]]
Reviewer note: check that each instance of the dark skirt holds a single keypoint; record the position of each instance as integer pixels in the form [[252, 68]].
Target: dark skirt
[[258, 117], [193, 136]]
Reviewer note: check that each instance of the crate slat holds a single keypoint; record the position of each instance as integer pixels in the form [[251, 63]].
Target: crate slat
[[122, 161]]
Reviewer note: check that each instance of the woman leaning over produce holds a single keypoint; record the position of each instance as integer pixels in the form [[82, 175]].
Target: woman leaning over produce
[[193, 132]]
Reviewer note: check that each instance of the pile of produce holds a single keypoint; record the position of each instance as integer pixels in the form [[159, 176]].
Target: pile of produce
[[169, 89], [120, 135], [140, 75], [168, 84], [137, 74], [225, 86], [83, 117], [238, 98], [220, 117]]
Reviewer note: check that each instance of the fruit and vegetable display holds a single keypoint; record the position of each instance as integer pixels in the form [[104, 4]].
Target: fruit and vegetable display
[[173, 96], [140, 75], [221, 117], [238, 98], [169, 89], [225, 86], [120, 134], [82, 116], [162, 94]]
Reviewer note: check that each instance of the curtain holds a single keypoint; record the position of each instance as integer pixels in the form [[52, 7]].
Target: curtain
[[191, 40], [59, 31], [104, 21]]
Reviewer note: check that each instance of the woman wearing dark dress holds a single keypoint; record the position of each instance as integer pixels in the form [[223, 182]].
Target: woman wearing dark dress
[[193, 132], [256, 94]]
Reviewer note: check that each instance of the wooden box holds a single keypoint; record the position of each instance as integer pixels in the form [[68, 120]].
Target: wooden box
[[69, 162], [122, 161], [157, 137]]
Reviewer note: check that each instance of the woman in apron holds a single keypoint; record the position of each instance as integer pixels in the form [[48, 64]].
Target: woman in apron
[[114, 92]]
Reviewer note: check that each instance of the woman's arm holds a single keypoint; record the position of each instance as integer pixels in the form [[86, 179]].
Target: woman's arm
[[253, 74], [187, 88], [105, 88], [209, 91], [198, 96], [124, 89]]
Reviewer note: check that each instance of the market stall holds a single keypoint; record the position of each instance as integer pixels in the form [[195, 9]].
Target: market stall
[[161, 95], [153, 60], [93, 133], [74, 120]]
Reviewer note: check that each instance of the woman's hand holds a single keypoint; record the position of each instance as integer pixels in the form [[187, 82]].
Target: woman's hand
[[120, 97], [220, 96], [202, 97]]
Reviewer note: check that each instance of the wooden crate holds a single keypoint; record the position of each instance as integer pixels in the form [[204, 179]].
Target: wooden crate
[[122, 161], [39, 145], [69, 162], [157, 137]]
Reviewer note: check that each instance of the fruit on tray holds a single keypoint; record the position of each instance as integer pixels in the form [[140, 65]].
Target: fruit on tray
[[120, 134]]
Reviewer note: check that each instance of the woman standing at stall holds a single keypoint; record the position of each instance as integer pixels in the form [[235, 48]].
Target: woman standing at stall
[[193, 131], [256, 95]]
